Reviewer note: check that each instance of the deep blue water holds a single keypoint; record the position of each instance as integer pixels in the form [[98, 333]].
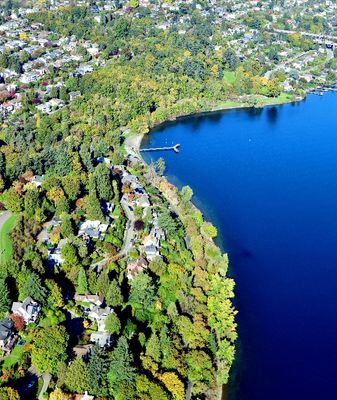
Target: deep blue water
[[267, 179]]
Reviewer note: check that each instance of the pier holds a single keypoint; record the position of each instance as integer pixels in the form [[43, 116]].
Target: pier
[[175, 148]]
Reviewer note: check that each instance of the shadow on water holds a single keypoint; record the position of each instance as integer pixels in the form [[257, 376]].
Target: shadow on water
[[272, 115]]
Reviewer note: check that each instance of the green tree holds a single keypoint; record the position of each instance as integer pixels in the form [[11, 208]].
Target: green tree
[[153, 347], [67, 227], [4, 298], [103, 182], [34, 288], [77, 377], [121, 369], [142, 296], [114, 296], [186, 194], [82, 282], [49, 349], [98, 367], [112, 324], [13, 200]]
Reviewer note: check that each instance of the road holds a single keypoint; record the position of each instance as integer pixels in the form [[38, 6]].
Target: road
[[130, 229], [46, 380], [312, 35]]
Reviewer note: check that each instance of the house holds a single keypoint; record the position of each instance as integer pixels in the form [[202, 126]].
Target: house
[[150, 246], [28, 310], [92, 229], [86, 396], [143, 201], [89, 298], [54, 255], [37, 180], [135, 267], [100, 315], [82, 350], [73, 95], [103, 339], [7, 337]]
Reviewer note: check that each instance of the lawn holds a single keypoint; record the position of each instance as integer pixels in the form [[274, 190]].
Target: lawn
[[229, 76], [14, 358], [5, 243]]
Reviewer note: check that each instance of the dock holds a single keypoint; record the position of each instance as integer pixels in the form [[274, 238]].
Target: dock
[[175, 148]]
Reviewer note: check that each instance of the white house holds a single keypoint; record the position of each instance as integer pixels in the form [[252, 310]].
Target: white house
[[28, 310]]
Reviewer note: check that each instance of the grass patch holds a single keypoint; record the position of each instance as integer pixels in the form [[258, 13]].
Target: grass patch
[[229, 76], [15, 357], [5, 242]]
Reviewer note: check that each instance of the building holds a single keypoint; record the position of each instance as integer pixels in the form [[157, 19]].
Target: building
[[103, 339], [89, 298], [92, 229], [28, 310], [100, 315], [55, 255], [135, 267], [37, 180], [7, 337]]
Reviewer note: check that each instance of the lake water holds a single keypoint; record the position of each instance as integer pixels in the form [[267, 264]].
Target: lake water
[[267, 178]]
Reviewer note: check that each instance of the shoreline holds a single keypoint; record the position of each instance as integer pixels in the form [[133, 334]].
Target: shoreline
[[133, 141], [132, 147]]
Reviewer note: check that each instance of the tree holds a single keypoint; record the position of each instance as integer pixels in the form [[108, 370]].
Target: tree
[[13, 200], [98, 367], [103, 182], [33, 288], [77, 378], [199, 369], [4, 297], [209, 230], [142, 296], [55, 298], [167, 223], [153, 347], [18, 322], [31, 202], [93, 207], [134, 3], [121, 369], [82, 283], [69, 256], [67, 228], [149, 390], [186, 194], [8, 393], [49, 349], [160, 166], [58, 394], [114, 296], [112, 324], [174, 385]]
